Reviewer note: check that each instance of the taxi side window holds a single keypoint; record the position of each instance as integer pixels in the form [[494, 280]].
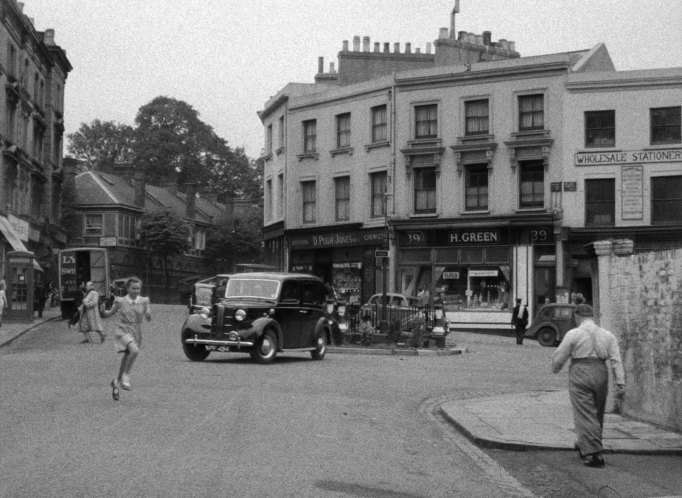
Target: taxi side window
[[289, 292]]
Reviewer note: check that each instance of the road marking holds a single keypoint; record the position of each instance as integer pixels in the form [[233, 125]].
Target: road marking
[[509, 485]]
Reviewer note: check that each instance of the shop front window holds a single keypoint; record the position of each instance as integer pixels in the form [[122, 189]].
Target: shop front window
[[473, 288]]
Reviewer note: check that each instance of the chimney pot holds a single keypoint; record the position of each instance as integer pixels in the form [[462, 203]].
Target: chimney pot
[[479, 39], [320, 65], [417, 50], [487, 37], [365, 44], [377, 46], [461, 35], [443, 33], [345, 45], [408, 48], [428, 47], [387, 47], [504, 43], [396, 48], [512, 46], [356, 44], [331, 67]]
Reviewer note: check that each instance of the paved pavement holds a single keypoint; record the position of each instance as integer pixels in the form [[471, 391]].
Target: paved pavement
[[528, 421]]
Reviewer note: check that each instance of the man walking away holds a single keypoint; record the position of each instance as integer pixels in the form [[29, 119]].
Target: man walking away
[[589, 347], [519, 320]]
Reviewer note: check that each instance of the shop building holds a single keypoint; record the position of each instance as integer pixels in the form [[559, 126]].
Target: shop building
[[623, 167], [453, 161]]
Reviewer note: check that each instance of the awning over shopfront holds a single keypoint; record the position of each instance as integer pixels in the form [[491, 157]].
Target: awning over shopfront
[[14, 239]]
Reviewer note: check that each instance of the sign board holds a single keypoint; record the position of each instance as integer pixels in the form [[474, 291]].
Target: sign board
[[107, 241], [570, 186], [628, 157], [632, 184], [474, 236], [451, 275], [381, 253], [483, 273], [556, 186]]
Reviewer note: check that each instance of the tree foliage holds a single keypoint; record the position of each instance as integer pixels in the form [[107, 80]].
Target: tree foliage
[[236, 240], [172, 144], [101, 141], [164, 234]]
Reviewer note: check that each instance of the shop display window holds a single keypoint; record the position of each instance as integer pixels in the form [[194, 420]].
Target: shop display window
[[347, 281], [473, 288]]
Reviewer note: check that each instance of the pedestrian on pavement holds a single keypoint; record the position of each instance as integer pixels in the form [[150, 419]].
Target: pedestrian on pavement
[[3, 303], [423, 296], [90, 320], [519, 320], [365, 329], [133, 308], [590, 348], [39, 298]]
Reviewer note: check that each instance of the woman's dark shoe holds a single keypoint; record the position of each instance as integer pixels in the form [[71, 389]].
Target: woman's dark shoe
[[84, 341], [114, 389], [593, 461]]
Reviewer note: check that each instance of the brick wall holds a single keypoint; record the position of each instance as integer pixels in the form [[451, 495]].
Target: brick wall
[[646, 315]]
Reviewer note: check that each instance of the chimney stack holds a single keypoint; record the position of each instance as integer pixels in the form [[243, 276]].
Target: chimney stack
[[365, 44], [48, 38], [191, 199], [487, 37], [320, 65], [356, 44], [139, 185]]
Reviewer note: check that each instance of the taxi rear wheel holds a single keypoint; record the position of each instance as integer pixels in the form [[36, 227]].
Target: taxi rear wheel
[[195, 352], [266, 348], [547, 337]]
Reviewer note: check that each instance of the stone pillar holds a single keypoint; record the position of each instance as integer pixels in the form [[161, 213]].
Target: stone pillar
[[602, 249]]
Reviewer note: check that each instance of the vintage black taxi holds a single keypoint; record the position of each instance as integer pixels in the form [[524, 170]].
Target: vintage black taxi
[[262, 314]]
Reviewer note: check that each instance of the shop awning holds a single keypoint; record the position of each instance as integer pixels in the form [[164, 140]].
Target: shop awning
[[14, 239]]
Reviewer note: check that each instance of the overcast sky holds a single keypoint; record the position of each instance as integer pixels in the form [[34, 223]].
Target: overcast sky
[[226, 58]]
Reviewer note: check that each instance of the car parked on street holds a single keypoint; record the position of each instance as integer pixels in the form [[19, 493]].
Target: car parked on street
[[262, 314], [551, 324]]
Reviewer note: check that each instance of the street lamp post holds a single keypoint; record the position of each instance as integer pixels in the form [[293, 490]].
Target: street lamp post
[[384, 326]]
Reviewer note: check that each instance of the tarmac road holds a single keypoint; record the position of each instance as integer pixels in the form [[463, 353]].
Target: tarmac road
[[351, 425]]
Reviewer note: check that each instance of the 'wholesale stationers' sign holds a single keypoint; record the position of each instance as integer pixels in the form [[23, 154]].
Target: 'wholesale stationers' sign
[[628, 157]]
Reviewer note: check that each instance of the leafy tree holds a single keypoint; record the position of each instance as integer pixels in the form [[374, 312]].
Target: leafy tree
[[164, 234], [237, 240], [101, 141]]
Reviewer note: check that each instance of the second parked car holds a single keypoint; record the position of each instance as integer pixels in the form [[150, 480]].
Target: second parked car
[[551, 323]]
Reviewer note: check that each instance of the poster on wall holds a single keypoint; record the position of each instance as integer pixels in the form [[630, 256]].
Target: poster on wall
[[632, 187]]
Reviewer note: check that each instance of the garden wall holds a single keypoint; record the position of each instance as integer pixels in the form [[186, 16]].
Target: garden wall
[[645, 301]]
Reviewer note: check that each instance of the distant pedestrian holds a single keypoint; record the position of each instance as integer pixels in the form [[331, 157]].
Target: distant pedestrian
[[132, 308], [3, 303], [365, 329], [423, 296], [90, 320], [39, 298], [589, 348], [519, 320]]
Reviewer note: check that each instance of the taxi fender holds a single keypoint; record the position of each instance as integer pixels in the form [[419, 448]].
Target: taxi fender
[[196, 323], [260, 325], [322, 326]]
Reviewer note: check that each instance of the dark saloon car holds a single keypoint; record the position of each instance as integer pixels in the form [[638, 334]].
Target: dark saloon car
[[551, 324], [262, 314]]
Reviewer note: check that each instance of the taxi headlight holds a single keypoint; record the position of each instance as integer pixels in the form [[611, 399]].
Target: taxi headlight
[[239, 315], [205, 313]]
